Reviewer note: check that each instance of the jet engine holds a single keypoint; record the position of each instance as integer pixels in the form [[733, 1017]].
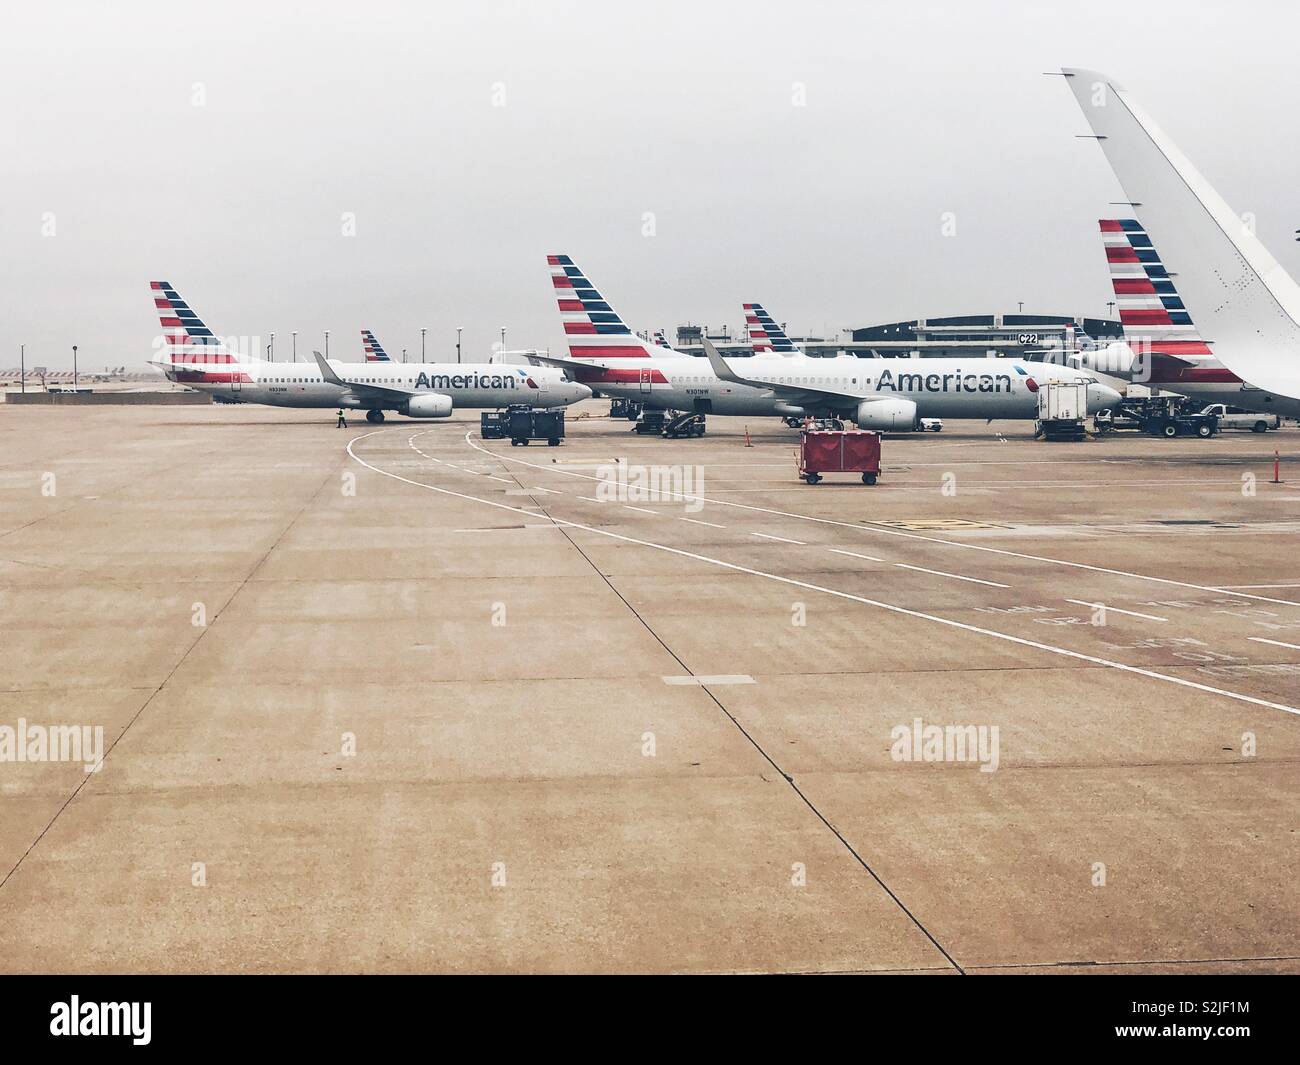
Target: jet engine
[[1117, 358], [886, 414], [428, 406]]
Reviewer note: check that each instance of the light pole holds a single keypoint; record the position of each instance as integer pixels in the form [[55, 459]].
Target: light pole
[[74, 367], [1021, 305], [403, 354], [458, 332], [327, 343], [273, 347], [295, 345], [1110, 308], [423, 330], [22, 363], [503, 341]]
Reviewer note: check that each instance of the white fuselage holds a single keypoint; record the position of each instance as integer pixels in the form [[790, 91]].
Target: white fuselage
[[298, 384], [941, 388]]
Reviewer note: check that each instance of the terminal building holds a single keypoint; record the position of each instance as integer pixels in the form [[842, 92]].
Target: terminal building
[[1016, 335]]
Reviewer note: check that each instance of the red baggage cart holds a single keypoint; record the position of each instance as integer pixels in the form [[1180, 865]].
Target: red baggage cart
[[853, 451]]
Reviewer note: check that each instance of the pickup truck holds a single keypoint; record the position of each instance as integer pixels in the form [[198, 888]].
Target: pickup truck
[[1236, 418]]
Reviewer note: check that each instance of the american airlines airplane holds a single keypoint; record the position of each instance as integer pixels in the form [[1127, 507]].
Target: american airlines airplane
[[883, 394], [190, 354], [1162, 346], [1247, 306]]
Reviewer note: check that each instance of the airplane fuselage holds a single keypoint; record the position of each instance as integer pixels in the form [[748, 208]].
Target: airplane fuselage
[[296, 384], [941, 388]]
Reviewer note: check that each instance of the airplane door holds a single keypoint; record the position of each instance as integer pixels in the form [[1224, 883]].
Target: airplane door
[[235, 383], [643, 380]]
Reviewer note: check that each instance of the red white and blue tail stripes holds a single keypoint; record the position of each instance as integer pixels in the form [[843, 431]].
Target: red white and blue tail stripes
[[591, 328], [374, 350], [190, 350], [764, 334], [1150, 308], [661, 341]]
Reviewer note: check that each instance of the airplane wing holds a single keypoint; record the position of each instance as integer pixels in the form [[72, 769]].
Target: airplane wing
[[1244, 302], [362, 390], [796, 395]]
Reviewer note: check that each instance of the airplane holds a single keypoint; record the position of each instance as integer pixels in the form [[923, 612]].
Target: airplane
[[374, 350], [1162, 346], [1244, 301], [190, 354], [882, 394]]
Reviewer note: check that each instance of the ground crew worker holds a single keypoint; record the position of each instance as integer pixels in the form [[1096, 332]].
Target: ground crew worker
[[343, 422]]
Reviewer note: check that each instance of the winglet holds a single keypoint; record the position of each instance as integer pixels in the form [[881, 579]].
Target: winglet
[[719, 364], [327, 371]]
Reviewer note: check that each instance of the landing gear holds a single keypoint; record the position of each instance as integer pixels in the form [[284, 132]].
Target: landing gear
[[374, 417]]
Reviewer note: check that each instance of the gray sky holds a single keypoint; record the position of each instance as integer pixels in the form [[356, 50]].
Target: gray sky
[[829, 213]]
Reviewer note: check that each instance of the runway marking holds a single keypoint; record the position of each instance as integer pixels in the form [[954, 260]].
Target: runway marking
[[954, 576], [1275, 643], [697, 521], [893, 608], [1115, 609], [780, 539], [1229, 586], [854, 554], [496, 478], [643, 510], [915, 536], [726, 678]]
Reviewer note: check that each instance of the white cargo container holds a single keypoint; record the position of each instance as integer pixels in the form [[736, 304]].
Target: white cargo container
[[1062, 407]]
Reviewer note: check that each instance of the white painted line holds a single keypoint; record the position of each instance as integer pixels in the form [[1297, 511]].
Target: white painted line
[[591, 499], [780, 539], [697, 521], [1248, 586], [1275, 643], [496, 478], [854, 554], [893, 608], [552, 491], [910, 535], [1115, 609], [732, 678], [954, 576], [643, 510]]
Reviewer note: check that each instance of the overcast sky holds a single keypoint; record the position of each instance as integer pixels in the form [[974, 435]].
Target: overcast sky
[[799, 154]]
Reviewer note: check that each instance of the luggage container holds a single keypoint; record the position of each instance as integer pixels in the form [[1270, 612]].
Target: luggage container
[[852, 451], [492, 425], [524, 424]]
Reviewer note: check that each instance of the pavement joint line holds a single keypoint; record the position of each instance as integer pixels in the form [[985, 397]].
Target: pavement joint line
[[954, 576], [781, 539], [1115, 609], [916, 536], [839, 594], [1275, 643], [155, 692]]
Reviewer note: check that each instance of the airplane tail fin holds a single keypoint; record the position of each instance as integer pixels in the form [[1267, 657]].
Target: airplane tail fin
[[374, 350], [1151, 312], [591, 327], [187, 350], [1246, 302], [661, 341], [765, 335]]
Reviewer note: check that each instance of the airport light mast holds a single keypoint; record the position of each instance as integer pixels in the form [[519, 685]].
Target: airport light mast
[[459, 328], [74, 367], [423, 330], [295, 345]]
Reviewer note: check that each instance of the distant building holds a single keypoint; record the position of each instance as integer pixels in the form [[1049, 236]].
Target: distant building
[[965, 335]]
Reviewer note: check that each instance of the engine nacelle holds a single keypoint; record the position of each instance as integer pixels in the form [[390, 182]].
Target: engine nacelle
[[884, 415], [428, 406], [1117, 359]]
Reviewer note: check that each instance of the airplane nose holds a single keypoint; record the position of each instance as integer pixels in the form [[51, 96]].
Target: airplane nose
[[1101, 397]]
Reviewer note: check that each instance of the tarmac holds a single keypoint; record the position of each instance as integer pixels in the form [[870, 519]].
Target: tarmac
[[398, 699]]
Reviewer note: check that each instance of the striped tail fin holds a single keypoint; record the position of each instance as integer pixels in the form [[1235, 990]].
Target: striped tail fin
[[591, 327], [1150, 309], [661, 340], [765, 335], [374, 350], [188, 350]]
